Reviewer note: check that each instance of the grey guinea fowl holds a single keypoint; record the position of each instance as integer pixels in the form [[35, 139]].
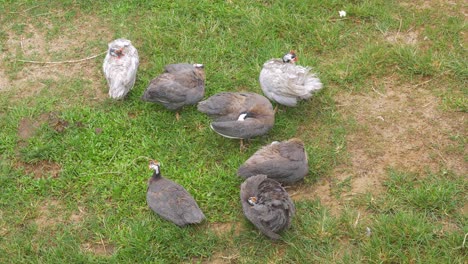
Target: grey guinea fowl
[[267, 205], [181, 84], [284, 161], [170, 200], [285, 82], [239, 115], [120, 67]]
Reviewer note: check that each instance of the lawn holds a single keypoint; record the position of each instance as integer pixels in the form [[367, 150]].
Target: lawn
[[386, 137]]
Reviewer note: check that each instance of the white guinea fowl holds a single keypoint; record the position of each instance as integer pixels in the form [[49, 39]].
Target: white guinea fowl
[[120, 67], [285, 82]]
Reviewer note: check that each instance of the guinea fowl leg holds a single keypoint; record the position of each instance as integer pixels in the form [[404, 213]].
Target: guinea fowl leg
[[177, 115], [243, 146]]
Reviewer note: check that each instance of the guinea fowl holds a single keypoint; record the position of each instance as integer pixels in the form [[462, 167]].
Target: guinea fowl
[[267, 205], [284, 161], [170, 200], [181, 84], [239, 115], [120, 67], [285, 83]]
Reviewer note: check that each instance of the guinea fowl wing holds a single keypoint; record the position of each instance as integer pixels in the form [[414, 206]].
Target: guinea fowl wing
[[172, 202], [273, 211], [224, 106], [165, 89], [292, 150]]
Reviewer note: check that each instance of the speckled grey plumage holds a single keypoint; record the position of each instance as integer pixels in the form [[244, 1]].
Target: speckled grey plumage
[[274, 209], [181, 84], [286, 82], [225, 108], [172, 202], [284, 161], [120, 70]]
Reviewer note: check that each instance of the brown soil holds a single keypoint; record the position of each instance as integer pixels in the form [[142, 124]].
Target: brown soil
[[102, 248], [222, 229], [35, 43], [50, 213], [41, 169], [399, 127], [47, 214]]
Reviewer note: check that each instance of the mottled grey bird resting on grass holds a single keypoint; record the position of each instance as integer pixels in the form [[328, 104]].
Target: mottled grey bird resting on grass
[[181, 84], [170, 200], [284, 161], [120, 67], [239, 115], [285, 83], [267, 205]]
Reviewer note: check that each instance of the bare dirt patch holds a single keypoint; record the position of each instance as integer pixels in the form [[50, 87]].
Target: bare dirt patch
[[41, 169], [400, 127], [48, 214], [102, 248], [409, 37], [48, 41], [222, 229], [51, 213]]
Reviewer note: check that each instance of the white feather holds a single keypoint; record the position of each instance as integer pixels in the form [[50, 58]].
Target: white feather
[[120, 72], [285, 83]]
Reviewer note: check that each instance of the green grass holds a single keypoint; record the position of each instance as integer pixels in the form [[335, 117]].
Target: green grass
[[103, 151]]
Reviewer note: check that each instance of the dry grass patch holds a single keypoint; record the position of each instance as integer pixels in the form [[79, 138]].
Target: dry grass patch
[[36, 42], [230, 228], [41, 169], [101, 248], [400, 126]]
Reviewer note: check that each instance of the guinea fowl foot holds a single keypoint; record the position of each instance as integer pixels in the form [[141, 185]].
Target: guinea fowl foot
[[243, 146]]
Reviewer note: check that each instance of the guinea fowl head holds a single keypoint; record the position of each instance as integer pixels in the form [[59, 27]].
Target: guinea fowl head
[[197, 65], [244, 115], [117, 47], [116, 52], [252, 200], [154, 165], [290, 57]]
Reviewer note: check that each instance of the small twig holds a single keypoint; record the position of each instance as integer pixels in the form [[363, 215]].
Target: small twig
[[336, 19], [21, 43], [357, 219], [294, 194], [419, 84], [381, 94], [464, 240], [24, 11], [103, 244], [426, 105], [59, 62], [399, 28], [235, 256]]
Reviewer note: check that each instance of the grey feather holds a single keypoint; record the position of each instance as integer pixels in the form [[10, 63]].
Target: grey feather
[[284, 161], [274, 209], [120, 70], [225, 108], [286, 83], [181, 84]]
